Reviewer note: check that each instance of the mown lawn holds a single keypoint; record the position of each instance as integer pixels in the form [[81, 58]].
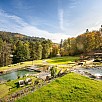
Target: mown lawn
[[55, 61], [69, 88], [4, 89], [23, 64], [13, 84], [62, 60]]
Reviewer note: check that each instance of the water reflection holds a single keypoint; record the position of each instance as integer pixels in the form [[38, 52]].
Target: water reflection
[[14, 74]]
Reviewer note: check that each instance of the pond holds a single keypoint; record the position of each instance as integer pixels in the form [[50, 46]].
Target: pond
[[14, 74], [93, 71]]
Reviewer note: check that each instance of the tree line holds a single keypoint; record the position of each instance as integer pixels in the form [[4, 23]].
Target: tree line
[[15, 48], [83, 43]]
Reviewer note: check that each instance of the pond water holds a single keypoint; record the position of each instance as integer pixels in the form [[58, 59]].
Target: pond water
[[93, 71], [14, 74]]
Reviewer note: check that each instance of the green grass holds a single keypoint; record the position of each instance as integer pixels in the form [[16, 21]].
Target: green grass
[[55, 61], [18, 65], [70, 88], [62, 60], [12, 83], [4, 89]]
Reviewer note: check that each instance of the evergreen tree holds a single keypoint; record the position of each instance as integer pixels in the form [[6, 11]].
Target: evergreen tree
[[26, 51], [22, 52], [5, 53], [36, 50], [39, 50]]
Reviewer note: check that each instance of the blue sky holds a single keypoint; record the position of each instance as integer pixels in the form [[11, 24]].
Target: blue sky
[[52, 19]]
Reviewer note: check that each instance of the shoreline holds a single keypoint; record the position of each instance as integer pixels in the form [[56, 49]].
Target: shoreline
[[85, 64], [10, 70], [81, 71]]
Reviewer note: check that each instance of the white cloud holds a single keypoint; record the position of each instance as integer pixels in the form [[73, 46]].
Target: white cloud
[[14, 23], [84, 15], [90, 20], [33, 31]]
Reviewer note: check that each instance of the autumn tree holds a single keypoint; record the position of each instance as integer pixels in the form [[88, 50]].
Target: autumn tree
[[55, 50], [46, 48]]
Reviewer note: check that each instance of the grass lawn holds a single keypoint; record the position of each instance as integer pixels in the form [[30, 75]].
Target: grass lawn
[[18, 65], [4, 89], [69, 88], [54, 61], [62, 60], [12, 83]]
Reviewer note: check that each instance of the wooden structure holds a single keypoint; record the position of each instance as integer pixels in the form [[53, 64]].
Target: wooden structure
[[97, 55]]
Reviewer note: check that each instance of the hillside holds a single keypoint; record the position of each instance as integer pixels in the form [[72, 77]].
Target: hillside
[[15, 47], [70, 88], [13, 37]]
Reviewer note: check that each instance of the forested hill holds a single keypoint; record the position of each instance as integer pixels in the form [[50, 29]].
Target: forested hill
[[13, 37], [15, 47]]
